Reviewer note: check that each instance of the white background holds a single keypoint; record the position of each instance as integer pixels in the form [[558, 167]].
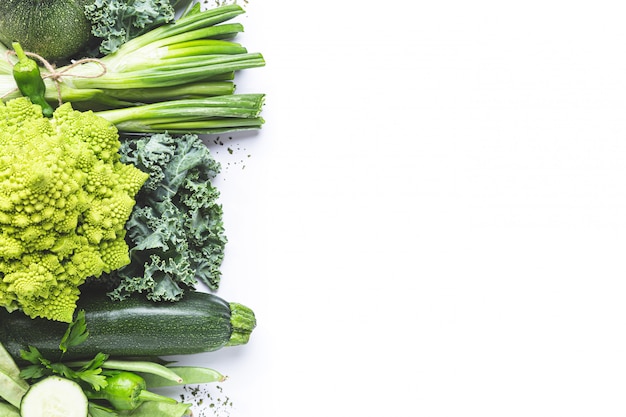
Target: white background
[[431, 222]]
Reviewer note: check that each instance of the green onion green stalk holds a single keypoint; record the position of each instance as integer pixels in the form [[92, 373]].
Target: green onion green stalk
[[208, 115]]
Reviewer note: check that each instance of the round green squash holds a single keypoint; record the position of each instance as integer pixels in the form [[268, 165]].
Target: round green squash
[[54, 29]]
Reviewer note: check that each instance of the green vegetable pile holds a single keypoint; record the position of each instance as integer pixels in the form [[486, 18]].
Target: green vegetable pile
[[98, 387], [177, 78], [111, 228]]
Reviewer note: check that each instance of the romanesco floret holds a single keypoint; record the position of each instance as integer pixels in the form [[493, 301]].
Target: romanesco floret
[[65, 198]]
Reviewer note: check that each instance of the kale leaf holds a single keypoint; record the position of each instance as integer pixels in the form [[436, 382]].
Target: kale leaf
[[113, 22], [176, 232]]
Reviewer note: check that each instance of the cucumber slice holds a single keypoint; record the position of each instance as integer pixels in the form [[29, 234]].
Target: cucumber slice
[[54, 397]]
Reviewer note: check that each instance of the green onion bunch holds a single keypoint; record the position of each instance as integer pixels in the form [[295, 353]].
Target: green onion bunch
[[178, 77]]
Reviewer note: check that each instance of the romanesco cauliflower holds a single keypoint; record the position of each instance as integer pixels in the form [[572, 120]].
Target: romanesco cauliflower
[[65, 197]]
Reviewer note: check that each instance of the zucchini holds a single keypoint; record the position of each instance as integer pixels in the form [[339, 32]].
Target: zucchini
[[54, 396], [135, 327], [54, 29]]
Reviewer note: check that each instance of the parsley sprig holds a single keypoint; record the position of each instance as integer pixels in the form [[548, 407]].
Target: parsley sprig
[[90, 373]]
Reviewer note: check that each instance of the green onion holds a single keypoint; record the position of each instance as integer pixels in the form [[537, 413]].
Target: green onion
[[207, 115]]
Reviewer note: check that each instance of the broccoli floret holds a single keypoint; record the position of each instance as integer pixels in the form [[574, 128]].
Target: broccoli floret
[[65, 198]]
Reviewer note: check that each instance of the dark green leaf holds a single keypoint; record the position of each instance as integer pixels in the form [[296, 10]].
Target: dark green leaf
[[33, 372], [96, 362], [32, 355], [76, 332], [63, 370]]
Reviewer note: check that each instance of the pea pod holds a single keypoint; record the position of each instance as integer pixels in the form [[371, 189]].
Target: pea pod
[[188, 374], [29, 81]]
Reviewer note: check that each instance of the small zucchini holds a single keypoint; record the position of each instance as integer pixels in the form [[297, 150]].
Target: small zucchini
[[54, 29], [135, 327]]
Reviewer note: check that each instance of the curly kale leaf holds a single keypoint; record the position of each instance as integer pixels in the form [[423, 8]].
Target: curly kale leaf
[[114, 22], [176, 231]]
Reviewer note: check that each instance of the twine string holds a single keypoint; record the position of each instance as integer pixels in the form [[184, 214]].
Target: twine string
[[57, 75]]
